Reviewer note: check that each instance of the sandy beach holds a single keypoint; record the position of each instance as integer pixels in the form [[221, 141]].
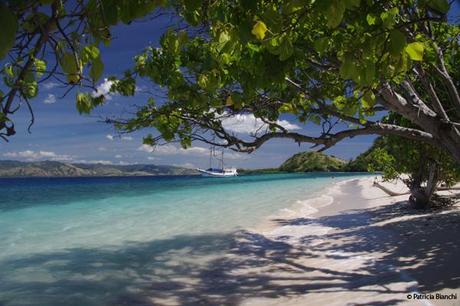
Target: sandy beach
[[354, 245]]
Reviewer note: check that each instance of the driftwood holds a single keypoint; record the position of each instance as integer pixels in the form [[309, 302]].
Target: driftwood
[[395, 194], [448, 188], [388, 191]]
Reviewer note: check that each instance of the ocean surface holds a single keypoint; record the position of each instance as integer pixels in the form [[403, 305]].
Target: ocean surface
[[112, 241]]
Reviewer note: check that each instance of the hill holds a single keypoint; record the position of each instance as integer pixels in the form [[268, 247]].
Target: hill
[[312, 161], [9, 168]]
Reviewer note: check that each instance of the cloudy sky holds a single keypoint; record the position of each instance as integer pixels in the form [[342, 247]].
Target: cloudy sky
[[60, 133]]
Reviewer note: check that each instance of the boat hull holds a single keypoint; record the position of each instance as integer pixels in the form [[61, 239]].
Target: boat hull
[[217, 174]]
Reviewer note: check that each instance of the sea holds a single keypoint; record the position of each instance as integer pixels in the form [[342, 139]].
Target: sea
[[122, 240]]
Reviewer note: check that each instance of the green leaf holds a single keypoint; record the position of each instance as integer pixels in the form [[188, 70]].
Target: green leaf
[[229, 101], [371, 19], [9, 26], [348, 68], [415, 51], [369, 73], [209, 81], [30, 89], [442, 6], [40, 67], [368, 100], [89, 53], [286, 49], [351, 3], [389, 17], [70, 66], [397, 42], [85, 102], [321, 44], [259, 29], [203, 81], [110, 11], [292, 6], [334, 13], [97, 67], [46, 2], [192, 4], [315, 119], [125, 86], [223, 39], [9, 70]]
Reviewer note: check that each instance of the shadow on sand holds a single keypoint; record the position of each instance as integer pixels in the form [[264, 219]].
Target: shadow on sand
[[226, 269]]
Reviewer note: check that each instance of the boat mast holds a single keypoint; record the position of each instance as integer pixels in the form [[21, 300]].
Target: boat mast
[[210, 157], [222, 161]]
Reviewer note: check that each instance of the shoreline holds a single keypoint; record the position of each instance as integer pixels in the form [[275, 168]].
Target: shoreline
[[310, 205], [359, 246]]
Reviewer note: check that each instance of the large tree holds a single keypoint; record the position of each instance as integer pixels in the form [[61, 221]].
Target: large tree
[[337, 63]]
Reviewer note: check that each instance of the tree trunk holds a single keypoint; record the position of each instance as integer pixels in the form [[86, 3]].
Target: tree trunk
[[414, 109], [421, 197]]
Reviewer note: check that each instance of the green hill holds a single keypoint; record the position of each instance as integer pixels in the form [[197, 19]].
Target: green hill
[[312, 161]]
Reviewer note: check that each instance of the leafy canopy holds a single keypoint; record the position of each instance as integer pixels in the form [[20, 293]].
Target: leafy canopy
[[316, 60]]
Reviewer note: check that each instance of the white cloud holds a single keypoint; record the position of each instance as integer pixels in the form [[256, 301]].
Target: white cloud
[[248, 123], [112, 137], [140, 88], [169, 149], [50, 99], [152, 158], [30, 155], [118, 156], [235, 155], [50, 85], [84, 161], [103, 89]]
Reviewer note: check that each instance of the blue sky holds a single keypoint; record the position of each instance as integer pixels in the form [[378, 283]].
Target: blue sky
[[60, 133]]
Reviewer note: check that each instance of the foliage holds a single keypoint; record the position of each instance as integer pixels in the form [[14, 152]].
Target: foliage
[[58, 40], [324, 62], [394, 156]]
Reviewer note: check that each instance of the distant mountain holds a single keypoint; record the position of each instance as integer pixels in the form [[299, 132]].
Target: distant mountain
[[313, 161], [9, 168]]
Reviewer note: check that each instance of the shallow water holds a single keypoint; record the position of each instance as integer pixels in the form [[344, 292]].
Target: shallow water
[[95, 241]]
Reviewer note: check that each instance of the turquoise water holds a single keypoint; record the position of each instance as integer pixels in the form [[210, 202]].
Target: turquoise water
[[85, 241]]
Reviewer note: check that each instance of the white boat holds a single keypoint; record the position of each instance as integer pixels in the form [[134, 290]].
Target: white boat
[[217, 172]]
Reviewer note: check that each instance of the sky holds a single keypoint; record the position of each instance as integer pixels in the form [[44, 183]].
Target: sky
[[61, 133]]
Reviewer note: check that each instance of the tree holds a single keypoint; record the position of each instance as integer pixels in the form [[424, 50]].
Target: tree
[[58, 40], [422, 167], [337, 63]]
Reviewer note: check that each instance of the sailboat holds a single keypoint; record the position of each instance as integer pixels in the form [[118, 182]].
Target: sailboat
[[217, 172]]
